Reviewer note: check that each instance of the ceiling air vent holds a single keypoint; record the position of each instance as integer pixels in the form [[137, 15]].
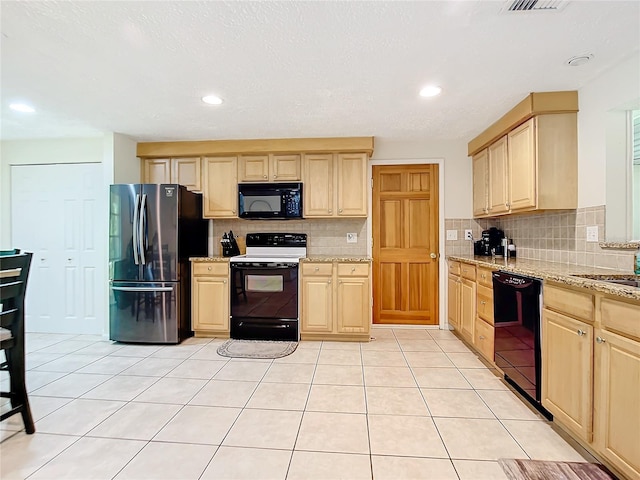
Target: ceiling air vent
[[535, 5]]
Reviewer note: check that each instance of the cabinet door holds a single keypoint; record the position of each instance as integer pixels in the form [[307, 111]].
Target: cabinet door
[[467, 308], [318, 185], [453, 301], [480, 183], [210, 306], [353, 314], [352, 184], [617, 433], [567, 371], [522, 167], [157, 170], [317, 304], [498, 177], [285, 168], [484, 338], [220, 193], [186, 171], [253, 168]]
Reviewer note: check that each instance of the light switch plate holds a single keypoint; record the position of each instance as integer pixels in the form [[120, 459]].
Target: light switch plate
[[452, 235], [352, 238], [468, 234], [592, 233]]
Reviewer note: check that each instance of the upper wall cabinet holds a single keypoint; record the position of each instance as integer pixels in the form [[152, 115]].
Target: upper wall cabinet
[[333, 170], [528, 160], [185, 171], [269, 168], [335, 185]]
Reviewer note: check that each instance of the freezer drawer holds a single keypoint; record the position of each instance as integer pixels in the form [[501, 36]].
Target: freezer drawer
[[144, 312]]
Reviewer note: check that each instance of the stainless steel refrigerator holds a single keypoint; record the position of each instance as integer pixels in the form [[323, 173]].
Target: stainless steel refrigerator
[[153, 230]]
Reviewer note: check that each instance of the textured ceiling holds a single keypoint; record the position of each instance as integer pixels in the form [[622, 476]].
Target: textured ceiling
[[293, 69]]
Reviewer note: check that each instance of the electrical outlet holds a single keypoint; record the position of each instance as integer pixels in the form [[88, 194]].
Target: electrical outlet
[[452, 234], [592, 233], [468, 234], [352, 238]]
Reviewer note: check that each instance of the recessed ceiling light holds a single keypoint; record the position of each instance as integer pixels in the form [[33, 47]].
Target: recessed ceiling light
[[212, 100], [430, 91], [21, 107], [579, 60]]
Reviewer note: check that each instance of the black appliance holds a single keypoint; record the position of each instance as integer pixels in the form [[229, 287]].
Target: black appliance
[[264, 287], [153, 230], [517, 342], [490, 243], [270, 200]]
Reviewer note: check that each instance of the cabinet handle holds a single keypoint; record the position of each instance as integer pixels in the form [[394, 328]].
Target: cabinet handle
[[264, 176], [353, 269], [339, 281], [224, 281], [508, 205], [481, 337], [600, 340], [581, 333], [233, 211], [275, 176], [209, 268], [482, 302], [317, 268], [483, 276], [329, 210], [329, 282], [339, 210]]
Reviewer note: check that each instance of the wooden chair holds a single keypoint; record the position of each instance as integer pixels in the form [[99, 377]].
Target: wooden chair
[[14, 270]]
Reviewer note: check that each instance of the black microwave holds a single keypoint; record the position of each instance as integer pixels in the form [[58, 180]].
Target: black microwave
[[270, 200]]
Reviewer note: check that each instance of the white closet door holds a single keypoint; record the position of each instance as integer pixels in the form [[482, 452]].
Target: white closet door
[[56, 213]]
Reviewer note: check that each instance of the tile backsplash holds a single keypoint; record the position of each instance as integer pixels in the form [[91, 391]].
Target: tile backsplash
[[324, 236], [551, 236]]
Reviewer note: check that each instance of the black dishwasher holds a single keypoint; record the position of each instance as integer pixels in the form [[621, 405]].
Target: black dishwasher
[[516, 307]]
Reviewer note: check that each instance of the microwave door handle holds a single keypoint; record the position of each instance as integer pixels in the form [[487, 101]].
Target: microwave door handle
[[136, 220]]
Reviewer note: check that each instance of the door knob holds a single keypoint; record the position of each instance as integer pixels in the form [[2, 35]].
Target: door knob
[[433, 255]]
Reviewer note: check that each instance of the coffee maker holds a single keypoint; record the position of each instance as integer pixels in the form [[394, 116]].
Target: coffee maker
[[491, 241]]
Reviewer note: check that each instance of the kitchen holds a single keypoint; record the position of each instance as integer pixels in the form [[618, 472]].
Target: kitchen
[[116, 154]]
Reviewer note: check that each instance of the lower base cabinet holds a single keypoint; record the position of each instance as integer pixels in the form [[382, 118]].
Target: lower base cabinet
[[591, 372], [210, 299], [335, 301]]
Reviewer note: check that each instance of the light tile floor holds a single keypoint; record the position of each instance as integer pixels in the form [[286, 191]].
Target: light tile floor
[[413, 403]]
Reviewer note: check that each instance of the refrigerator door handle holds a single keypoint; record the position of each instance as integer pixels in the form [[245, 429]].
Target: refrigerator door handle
[[136, 221], [143, 289], [142, 228]]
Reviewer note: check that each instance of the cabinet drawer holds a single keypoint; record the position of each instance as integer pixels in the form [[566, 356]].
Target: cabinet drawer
[[468, 271], [210, 268], [621, 317], [353, 270], [483, 339], [484, 277], [310, 269], [570, 302], [454, 267], [485, 303]]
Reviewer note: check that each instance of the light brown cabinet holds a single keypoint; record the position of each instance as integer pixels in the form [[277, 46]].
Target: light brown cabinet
[[185, 171], [528, 160], [210, 298], [335, 185], [269, 168], [453, 300], [220, 194], [335, 301], [467, 308], [591, 371]]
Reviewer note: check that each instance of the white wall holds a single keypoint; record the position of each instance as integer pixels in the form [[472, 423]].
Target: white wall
[[458, 182], [616, 89]]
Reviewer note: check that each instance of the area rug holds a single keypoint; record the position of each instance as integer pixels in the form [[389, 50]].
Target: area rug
[[256, 348], [543, 470]]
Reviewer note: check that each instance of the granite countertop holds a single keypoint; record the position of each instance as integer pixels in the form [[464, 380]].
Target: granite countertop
[[209, 259], [557, 272], [334, 258]]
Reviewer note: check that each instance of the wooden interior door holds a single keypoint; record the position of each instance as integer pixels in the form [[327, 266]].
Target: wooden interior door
[[405, 244]]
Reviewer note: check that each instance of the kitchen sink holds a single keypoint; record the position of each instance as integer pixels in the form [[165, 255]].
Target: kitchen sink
[[628, 280]]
